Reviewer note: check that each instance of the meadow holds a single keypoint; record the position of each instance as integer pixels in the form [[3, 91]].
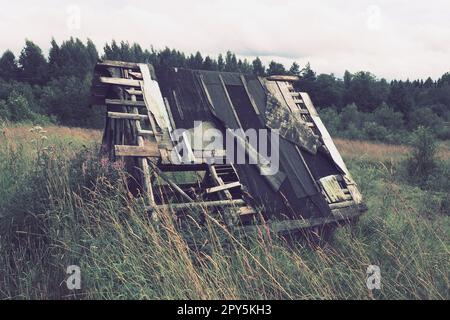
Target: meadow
[[60, 205]]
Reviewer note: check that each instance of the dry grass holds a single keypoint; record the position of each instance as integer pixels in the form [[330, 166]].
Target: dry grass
[[376, 151], [21, 133], [350, 149]]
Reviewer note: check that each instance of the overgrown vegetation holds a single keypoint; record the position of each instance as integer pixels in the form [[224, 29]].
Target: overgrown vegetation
[[37, 89], [61, 205]]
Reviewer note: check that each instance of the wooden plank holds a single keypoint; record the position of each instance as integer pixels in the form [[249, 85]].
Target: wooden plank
[[343, 204], [136, 75], [121, 82], [128, 116], [308, 104], [207, 204], [223, 187], [143, 162], [177, 104], [118, 64], [283, 78], [134, 92], [150, 150], [127, 103], [148, 133], [246, 211]]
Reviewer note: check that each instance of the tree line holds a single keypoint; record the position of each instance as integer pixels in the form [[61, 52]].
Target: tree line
[[55, 88]]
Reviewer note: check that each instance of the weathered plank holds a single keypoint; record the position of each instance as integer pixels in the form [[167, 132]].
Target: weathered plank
[[134, 92], [118, 64], [208, 204], [246, 211], [136, 151], [128, 103], [283, 78], [136, 75], [128, 116], [121, 82], [223, 187], [343, 204]]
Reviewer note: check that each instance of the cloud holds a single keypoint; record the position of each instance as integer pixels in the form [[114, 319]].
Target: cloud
[[391, 38]]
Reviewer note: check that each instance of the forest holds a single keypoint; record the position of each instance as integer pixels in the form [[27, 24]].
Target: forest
[[54, 89]]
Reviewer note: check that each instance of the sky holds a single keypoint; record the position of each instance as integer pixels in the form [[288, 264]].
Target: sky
[[394, 39]]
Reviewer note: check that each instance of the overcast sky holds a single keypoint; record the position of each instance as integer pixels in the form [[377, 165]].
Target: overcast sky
[[391, 38]]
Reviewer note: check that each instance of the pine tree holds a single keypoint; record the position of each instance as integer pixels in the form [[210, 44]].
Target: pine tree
[[220, 63], [276, 68], [294, 69], [8, 66], [231, 64], [258, 67], [210, 64], [33, 66]]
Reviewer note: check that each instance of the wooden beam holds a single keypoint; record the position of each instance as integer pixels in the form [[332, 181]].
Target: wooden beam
[[246, 211], [343, 204], [128, 116], [121, 82], [134, 92], [283, 78], [207, 204], [148, 133], [223, 187], [127, 103], [136, 75], [136, 151], [143, 162], [118, 64]]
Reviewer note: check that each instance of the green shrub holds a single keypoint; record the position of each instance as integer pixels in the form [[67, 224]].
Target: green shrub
[[422, 161]]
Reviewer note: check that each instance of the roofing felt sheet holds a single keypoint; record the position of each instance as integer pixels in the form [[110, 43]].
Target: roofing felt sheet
[[231, 108]]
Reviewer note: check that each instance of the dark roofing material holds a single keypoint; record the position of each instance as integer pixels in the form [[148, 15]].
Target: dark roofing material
[[298, 194]]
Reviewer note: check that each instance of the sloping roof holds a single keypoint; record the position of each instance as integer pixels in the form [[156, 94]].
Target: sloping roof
[[312, 180], [233, 100]]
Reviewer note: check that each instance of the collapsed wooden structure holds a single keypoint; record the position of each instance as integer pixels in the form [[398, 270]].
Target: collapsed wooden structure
[[145, 107]]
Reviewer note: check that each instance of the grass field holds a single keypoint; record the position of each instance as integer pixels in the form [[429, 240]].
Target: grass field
[[61, 206]]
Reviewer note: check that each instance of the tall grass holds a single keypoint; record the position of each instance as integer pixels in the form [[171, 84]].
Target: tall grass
[[61, 206]]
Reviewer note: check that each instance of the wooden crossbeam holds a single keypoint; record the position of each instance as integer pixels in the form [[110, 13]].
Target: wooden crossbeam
[[148, 133], [121, 82], [283, 78], [246, 211], [127, 103], [118, 64], [128, 116], [134, 92], [136, 75], [136, 151], [343, 204], [223, 187], [206, 204]]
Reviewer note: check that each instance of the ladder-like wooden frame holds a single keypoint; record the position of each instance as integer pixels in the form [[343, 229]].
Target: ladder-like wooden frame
[[131, 131]]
